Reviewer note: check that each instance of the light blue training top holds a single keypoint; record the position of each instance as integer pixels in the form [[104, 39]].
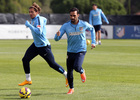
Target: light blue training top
[[76, 36], [95, 17], [38, 29]]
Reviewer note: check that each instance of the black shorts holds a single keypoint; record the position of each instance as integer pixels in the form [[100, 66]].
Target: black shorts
[[44, 52], [75, 61], [97, 27]]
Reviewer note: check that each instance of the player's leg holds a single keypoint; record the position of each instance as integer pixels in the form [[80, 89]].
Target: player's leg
[[29, 55], [70, 62], [79, 58], [96, 33], [47, 54], [99, 34], [96, 38]]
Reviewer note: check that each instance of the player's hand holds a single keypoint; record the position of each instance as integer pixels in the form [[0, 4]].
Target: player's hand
[[93, 46], [27, 23], [58, 33]]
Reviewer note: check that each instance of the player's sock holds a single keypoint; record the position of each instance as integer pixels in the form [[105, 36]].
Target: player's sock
[[28, 77], [96, 43], [65, 74]]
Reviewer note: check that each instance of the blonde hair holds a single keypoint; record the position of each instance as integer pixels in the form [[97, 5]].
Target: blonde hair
[[36, 7]]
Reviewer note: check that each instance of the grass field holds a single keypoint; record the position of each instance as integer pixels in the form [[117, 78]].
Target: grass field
[[112, 70]]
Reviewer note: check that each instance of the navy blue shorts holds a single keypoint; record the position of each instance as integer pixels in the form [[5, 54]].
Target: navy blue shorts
[[97, 27], [74, 62], [44, 52]]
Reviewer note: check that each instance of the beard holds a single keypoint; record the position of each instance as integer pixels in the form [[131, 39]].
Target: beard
[[73, 21]]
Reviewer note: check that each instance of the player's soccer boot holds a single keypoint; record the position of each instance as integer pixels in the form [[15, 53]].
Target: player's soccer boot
[[25, 83], [83, 77], [67, 84], [70, 91]]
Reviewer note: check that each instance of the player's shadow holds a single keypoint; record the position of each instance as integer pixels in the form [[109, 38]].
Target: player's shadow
[[10, 96], [16, 96], [39, 94], [50, 93], [9, 89]]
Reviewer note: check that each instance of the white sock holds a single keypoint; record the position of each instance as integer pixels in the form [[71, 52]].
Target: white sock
[[99, 41], [72, 88], [65, 74], [28, 77]]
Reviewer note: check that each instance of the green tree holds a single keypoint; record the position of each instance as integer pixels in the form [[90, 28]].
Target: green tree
[[122, 1], [25, 4], [135, 6], [110, 7], [61, 6], [132, 6], [7, 6], [16, 6], [2, 7], [45, 6]]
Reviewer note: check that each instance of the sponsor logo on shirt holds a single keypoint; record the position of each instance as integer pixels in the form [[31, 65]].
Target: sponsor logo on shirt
[[75, 33], [97, 14]]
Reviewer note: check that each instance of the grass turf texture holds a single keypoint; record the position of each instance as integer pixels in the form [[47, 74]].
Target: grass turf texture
[[112, 70]]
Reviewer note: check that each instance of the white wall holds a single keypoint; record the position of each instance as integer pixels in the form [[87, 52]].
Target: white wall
[[107, 32], [14, 32], [21, 32]]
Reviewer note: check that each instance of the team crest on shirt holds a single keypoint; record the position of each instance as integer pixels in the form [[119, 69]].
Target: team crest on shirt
[[81, 28], [38, 26]]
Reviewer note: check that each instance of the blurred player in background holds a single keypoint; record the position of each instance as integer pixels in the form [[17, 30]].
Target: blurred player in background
[[95, 19], [76, 49], [41, 46]]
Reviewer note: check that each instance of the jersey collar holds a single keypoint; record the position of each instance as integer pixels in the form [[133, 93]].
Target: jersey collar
[[75, 24], [36, 17]]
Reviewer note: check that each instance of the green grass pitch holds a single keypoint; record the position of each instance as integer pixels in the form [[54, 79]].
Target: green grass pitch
[[112, 70]]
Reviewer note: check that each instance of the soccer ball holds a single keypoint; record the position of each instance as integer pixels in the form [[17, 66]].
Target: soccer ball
[[88, 42], [25, 92]]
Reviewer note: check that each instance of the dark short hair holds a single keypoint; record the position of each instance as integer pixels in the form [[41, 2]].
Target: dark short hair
[[74, 9], [35, 9], [94, 4]]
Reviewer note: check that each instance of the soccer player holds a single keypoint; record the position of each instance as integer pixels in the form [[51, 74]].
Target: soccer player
[[95, 19], [76, 49], [41, 46]]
